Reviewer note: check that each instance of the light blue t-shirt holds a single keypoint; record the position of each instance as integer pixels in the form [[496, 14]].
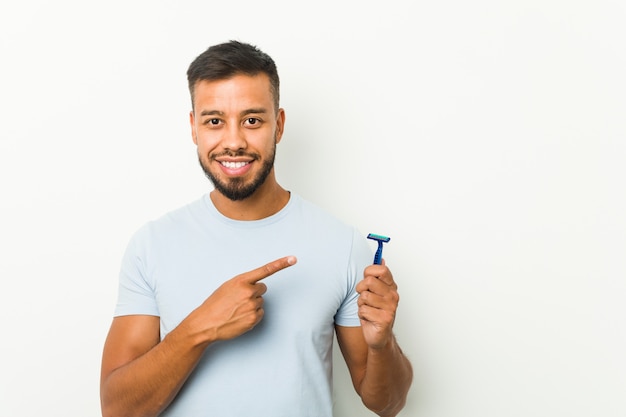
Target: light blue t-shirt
[[282, 367]]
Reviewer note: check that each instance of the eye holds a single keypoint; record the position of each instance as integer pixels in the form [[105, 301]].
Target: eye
[[252, 122], [212, 122]]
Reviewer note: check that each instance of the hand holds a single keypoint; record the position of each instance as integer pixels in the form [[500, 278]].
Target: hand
[[237, 305], [378, 302]]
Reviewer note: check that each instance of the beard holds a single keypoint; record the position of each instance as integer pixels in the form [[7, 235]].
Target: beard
[[237, 189]]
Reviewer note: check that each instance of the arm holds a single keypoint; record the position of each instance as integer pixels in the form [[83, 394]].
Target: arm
[[141, 375], [380, 372]]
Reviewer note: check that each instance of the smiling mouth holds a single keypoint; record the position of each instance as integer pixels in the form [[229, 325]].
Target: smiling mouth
[[233, 165]]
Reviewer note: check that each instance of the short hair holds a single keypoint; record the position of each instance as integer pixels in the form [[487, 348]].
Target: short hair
[[225, 60]]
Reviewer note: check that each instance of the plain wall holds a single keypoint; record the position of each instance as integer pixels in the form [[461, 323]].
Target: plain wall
[[486, 138]]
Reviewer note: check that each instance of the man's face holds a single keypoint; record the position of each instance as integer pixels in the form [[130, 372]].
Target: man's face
[[236, 128]]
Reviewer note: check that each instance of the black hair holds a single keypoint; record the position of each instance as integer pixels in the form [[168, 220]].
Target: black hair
[[225, 60]]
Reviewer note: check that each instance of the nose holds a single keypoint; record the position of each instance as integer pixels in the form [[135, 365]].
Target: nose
[[234, 138]]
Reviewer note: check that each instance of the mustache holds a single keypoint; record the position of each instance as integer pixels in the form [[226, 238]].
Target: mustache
[[232, 154]]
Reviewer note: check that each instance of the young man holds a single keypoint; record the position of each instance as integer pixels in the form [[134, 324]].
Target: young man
[[196, 335]]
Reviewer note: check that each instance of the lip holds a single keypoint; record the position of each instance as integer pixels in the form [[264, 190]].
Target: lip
[[234, 166]]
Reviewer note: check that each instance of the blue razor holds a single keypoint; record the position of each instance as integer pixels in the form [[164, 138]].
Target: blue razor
[[378, 257]]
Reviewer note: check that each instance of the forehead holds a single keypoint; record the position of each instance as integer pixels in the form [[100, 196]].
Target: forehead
[[239, 91]]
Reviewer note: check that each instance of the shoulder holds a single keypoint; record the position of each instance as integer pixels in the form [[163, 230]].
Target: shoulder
[[325, 225], [318, 215], [178, 220]]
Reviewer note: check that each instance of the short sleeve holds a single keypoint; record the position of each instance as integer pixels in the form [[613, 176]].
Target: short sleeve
[[360, 257], [135, 294]]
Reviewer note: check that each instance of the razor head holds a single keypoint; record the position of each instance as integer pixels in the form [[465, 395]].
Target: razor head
[[379, 238]]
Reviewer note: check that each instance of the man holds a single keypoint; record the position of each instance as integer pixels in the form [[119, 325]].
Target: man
[[195, 335]]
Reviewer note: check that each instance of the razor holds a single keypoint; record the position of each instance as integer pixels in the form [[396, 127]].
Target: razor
[[378, 257]]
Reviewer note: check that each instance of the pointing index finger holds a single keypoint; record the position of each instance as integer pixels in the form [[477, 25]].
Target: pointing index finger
[[269, 269]]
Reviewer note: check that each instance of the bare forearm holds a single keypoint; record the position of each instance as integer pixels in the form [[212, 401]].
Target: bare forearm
[[387, 380], [147, 385]]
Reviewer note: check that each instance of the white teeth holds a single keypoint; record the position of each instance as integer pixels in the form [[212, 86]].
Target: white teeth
[[234, 165]]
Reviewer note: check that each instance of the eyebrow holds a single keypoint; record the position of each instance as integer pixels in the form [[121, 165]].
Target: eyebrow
[[259, 110], [211, 113]]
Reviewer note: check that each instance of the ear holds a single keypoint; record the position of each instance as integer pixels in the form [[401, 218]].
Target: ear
[[192, 123], [280, 124]]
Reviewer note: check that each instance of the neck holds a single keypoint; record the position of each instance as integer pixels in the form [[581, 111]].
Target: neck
[[267, 200]]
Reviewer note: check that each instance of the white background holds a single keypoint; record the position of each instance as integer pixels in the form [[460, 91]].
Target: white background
[[487, 138]]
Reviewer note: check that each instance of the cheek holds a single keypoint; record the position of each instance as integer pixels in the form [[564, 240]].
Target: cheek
[[205, 142]]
